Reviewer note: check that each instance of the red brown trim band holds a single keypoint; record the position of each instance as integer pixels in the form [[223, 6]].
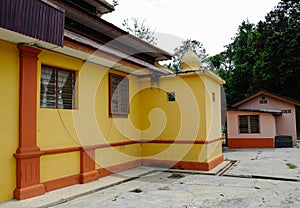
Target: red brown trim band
[[116, 144], [102, 172], [251, 143], [186, 165], [61, 150], [181, 141]]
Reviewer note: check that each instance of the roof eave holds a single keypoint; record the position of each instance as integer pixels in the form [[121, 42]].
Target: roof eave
[[264, 92]]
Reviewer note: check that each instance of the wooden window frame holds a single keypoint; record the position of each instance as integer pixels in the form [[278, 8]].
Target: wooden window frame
[[118, 114], [73, 85], [249, 124]]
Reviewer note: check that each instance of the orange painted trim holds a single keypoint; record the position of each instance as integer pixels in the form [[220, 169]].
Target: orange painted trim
[[88, 176], [250, 143], [28, 153], [27, 98], [118, 168], [116, 144], [61, 150], [215, 162], [86, 148], [61, 182], [102, 172], [185, 165], [29, 192], [87, 166], [182, 141]]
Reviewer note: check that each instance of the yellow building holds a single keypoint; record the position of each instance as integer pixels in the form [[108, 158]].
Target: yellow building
[[82, 99]]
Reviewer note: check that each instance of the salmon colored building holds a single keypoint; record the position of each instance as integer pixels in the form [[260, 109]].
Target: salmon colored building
[[263, 120], [82, 99]]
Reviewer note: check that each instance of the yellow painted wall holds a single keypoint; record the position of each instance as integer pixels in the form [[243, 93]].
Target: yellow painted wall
[[114, 129], [109, 156], [55, 127], [9, 96], [194, 116], [214, 149], [88, 124], [59, 165], [183, 119], [213, 107], [175, 152]]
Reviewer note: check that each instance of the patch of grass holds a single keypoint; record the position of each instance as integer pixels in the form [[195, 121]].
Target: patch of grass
[[291, 166]]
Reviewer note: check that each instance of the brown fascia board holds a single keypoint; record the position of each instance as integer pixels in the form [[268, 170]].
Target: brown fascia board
[[273, 112], [89, 46], [101, 5], [115, 36], [264, 92], [106, 41]]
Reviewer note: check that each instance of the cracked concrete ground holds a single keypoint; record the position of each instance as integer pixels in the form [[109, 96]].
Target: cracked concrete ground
[[259, 178], [265, 162], [157, 190]]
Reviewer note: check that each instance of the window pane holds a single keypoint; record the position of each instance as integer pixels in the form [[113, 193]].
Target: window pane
[[48, 94], [57, 88], [68, 92], [119, 95], [243, 124], [124, 96], [254, 122]]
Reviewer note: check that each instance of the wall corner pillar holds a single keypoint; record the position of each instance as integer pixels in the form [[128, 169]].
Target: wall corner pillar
[[88, 170], [28, 153]]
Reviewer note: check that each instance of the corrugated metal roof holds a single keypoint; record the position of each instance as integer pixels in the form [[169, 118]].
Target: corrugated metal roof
[[274, 112], [114, 52], [34, 18]]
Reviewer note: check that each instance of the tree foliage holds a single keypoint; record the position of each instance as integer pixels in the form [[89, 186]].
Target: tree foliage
[[195, 45], [140, 29], [264, 56]]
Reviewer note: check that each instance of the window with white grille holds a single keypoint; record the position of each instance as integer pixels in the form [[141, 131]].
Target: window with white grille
[[57, 88]]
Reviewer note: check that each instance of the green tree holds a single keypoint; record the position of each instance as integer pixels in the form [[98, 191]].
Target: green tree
[[277, 67], [236, 63], [264, 56], [195, 45], [140, 29]]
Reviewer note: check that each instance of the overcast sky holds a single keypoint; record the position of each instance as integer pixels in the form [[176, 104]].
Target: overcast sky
[[212, 22]]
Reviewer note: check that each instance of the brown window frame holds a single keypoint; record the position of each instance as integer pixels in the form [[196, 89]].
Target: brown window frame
[[53, 89], [121, 98], [252, 124]]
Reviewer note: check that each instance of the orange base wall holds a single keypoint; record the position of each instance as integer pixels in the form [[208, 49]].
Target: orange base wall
[[102, 172], [250, 143], [184, 165]]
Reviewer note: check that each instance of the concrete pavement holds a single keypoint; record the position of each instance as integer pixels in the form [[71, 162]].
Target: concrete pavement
[[265, 162], [250, 178]]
